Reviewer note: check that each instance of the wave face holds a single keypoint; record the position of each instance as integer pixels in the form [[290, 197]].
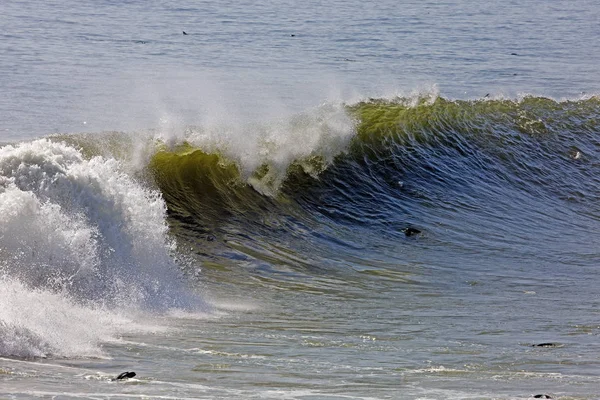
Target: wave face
[[484, 175], [89, 222]]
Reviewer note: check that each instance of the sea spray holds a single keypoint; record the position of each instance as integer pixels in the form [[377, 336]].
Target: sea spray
[[41, 323], [264, 151], [78, 238]]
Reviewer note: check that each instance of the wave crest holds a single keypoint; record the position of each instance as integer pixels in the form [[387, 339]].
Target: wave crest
[[78, 235]]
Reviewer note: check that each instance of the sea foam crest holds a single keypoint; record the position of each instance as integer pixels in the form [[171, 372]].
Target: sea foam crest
[[322, 132], [81, 235]]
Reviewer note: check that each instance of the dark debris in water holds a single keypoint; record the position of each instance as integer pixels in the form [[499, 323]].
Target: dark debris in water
[[410, 231], [125, 375]]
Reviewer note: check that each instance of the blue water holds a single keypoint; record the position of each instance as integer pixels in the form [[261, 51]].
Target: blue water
[[289, 275], [102, 66]]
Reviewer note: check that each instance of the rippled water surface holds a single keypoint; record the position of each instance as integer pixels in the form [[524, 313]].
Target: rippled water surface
[[218, 196]]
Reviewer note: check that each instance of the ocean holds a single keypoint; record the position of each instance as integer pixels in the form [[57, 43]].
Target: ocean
[[299, 200]]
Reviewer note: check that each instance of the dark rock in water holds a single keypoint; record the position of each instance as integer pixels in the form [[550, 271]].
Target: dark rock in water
[[549, 344], [125, 375], [542, 396], [411, 231]]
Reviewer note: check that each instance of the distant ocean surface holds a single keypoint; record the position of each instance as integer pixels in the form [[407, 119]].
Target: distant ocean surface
[[316, 200]]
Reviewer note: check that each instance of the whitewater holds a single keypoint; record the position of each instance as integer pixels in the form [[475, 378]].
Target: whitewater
[[338, 200]]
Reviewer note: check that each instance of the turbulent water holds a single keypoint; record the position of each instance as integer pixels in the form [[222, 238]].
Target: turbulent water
[[236, 232]]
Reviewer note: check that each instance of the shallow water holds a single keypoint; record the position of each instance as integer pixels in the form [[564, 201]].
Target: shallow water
[[223, 212]]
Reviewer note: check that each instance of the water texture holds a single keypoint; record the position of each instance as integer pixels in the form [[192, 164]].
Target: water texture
[[299, 201]]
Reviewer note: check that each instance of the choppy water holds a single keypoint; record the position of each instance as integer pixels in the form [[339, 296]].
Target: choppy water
[[225, 212]]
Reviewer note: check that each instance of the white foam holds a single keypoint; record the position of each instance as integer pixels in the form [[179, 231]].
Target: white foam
[[78, 238], [39, 323], [323, 132]]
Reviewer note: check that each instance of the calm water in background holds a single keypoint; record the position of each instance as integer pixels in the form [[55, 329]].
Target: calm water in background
[[73, 66], [355, 312]]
